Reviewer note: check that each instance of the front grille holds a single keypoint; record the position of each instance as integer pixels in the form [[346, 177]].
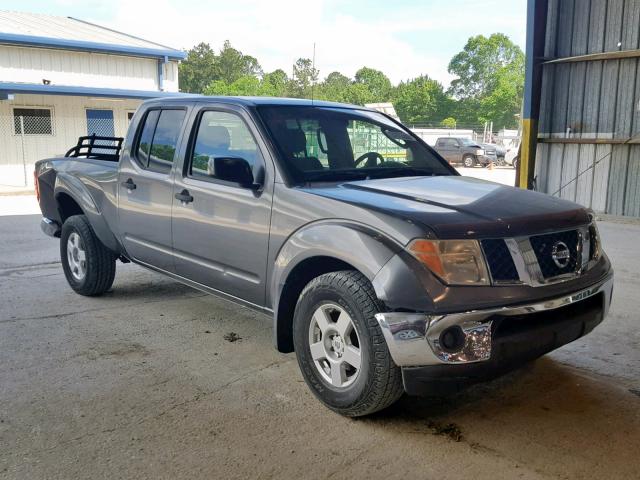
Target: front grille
[[499, 260], [543, 247]]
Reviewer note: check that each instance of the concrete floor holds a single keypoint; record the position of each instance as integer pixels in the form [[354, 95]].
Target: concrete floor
[[141, 383]]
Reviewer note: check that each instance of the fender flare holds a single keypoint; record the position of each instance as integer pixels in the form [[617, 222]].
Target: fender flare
[[74, 188], [352, 243]]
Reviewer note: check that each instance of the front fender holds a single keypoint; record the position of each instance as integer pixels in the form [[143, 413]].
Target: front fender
[[74, 188], [363, 248], [302, 256]]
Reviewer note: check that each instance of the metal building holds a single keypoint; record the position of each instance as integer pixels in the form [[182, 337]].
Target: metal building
[[581, 122], [61, 78]]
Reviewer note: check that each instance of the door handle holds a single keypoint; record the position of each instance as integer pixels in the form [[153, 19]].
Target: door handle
[[184, 196], [129, 185]]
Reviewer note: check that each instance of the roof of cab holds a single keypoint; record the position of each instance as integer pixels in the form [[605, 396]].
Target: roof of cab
[[252, 101]]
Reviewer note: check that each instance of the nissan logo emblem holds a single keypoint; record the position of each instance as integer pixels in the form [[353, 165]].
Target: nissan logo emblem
[[560, 254]]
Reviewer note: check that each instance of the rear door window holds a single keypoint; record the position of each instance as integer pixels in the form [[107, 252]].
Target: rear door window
[[159, 138]]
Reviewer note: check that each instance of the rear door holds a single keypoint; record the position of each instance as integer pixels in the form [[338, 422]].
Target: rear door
[[145, 186], [221, 234]]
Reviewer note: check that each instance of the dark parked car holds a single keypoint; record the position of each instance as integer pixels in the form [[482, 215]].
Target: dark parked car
[[461, 150], [382, 268]]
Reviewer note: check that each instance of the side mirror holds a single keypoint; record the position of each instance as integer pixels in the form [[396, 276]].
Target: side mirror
[[232, 169]]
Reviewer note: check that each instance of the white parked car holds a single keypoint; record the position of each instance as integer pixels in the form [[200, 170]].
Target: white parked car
[[512, 156]]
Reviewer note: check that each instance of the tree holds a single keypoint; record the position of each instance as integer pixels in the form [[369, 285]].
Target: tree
[[304, 76], [377, 83], [479, 63], [334, 87], [448, 122], [275, 84], [504, 102], [198, 69], [421, 100], [231, 64]]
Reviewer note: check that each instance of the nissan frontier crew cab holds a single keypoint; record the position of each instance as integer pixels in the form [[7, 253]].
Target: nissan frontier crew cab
[[383, 269]]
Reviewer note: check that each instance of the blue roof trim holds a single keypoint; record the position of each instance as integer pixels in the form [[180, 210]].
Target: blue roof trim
[[83, 46], [35, 89]]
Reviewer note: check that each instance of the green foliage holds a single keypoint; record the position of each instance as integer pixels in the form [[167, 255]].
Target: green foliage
[[304, 76], [448, 122], [488, 88], [275, 84], [421, 100], [490, 79], [376, 82], [198, 69], [231, 64]]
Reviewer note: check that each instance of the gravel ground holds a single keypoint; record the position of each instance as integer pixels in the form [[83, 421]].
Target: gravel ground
[[142, 383]]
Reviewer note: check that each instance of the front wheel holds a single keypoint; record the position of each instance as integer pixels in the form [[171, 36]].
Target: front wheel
[[340, 348], [88, 265], [468, 161]]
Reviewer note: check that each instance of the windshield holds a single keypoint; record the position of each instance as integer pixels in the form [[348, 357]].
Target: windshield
[[467, 141], [331, 144]]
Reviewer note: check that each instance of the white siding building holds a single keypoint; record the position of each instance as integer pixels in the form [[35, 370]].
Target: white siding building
[[61, 78]]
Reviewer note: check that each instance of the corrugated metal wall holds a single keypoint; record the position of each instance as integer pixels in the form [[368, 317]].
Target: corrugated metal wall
[[591, 100]]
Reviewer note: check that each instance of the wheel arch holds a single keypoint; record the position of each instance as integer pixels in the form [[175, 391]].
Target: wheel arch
[[314, 250], [72, 197]]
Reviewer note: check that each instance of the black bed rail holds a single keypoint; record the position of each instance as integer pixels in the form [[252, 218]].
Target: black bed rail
[[94, 146]]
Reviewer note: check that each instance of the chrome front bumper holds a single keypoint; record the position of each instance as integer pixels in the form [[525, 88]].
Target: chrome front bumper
[[414, 339]]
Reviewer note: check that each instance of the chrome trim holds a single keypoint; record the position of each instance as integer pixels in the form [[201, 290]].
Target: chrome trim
[[413, 338], [526, 261]]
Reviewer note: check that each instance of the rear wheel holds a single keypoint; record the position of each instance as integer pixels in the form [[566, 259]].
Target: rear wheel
[[468, 161], [340, 348], [88, 265]]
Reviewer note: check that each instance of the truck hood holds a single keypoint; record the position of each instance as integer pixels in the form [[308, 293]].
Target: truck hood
[[460, 207]]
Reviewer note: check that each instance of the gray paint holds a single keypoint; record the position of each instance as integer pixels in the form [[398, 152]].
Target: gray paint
[[243, 244]]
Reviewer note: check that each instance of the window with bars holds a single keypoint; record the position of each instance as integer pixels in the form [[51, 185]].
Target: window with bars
[[32, 121]]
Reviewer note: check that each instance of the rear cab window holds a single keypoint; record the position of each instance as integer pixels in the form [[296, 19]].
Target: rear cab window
[[158, 139]]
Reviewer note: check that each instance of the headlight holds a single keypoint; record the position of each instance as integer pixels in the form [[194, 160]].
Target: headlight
[[479, 152], [455, 262]]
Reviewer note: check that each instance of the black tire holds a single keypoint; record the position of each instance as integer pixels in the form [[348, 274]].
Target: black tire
[[378, 383], [100, 262], [469, 161]]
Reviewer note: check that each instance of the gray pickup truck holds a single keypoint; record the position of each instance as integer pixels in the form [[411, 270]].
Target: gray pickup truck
[[464, 151], [382, 268]]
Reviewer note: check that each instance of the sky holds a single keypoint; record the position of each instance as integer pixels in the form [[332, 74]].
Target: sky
[[403, 38]]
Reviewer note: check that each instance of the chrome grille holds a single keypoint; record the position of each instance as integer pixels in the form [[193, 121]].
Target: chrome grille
[[543, 246], [530, 260], [499, 260]]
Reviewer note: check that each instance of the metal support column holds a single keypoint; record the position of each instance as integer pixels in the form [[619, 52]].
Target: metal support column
[[536, 30]]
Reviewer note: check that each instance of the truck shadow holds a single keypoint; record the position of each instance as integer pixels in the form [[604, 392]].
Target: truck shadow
[[546, 414]]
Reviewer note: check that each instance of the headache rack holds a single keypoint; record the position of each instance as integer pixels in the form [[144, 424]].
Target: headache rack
[[101, 148]]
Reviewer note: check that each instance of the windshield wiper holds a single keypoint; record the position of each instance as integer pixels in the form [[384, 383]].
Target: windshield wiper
[[402, 172], [334, 175]]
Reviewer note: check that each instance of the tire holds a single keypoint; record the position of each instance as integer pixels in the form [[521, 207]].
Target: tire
[[469, 161], [95, 274], [377, 383]]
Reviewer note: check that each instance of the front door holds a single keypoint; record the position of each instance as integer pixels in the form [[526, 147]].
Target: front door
[[145, 187], [221, 231]]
